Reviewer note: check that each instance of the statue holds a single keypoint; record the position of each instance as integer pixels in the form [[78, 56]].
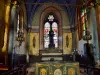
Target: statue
[[67, 41], [51, 32], [51, 35]]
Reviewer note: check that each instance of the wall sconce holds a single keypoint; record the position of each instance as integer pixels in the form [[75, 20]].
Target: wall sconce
[[20, 37]]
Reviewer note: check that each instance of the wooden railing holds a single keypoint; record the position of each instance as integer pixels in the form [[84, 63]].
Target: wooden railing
[[90, 70], [20, 70]]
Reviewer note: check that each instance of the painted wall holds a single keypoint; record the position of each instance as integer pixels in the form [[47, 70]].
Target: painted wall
[[36, 17]]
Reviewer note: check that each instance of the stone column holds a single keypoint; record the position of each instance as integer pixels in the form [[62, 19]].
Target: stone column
[[98, 22], [98, 27]]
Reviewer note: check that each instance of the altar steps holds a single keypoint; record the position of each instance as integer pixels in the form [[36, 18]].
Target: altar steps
[[56, 55], [52, 57]]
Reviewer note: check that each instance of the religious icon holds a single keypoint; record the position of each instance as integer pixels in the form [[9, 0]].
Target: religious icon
[[67, 41], [57, 72], [71, 71], [51, 35], [34, 41], [43, 71]]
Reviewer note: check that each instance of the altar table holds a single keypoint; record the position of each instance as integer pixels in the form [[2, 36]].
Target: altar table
[[57, 68]]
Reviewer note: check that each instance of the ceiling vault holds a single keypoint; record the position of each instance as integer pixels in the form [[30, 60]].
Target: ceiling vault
[[32, 3]]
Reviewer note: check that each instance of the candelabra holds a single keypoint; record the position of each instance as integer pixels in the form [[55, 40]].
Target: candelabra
[[74, 53]]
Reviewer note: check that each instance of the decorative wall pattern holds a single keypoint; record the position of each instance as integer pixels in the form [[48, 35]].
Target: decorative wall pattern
[[67, 43], [34, 43]]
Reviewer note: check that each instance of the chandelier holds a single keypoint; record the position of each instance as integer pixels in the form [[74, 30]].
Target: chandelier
[[20, 37]]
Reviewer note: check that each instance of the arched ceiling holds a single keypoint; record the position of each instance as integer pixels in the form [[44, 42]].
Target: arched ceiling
[[68, 5]]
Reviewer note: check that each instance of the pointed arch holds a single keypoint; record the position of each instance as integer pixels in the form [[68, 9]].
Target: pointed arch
[[57, 14]]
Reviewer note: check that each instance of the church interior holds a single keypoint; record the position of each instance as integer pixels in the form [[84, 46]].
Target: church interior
[[50, 37]]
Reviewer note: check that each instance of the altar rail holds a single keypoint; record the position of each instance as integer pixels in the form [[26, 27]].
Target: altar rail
[[50, 51], [21, 70], [90, 70]]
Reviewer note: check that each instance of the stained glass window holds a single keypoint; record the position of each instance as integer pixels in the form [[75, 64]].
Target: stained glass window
[[55, 29], [84, 20], [46, 36], [47, 29]]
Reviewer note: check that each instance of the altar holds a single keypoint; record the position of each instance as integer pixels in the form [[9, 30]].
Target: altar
[[57, 68]]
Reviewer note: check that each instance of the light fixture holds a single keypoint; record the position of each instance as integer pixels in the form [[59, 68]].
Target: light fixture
[[87, 36], [20, 37]]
